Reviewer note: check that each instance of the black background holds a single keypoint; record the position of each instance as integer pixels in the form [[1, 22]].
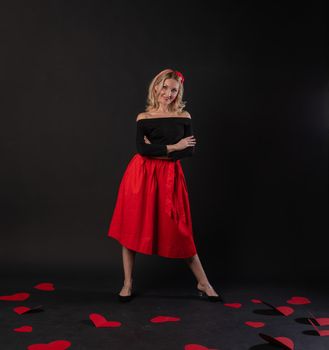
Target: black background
[[75, 75]]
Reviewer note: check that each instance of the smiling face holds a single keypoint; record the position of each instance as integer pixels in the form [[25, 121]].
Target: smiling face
[[168, 92], [165, 93]]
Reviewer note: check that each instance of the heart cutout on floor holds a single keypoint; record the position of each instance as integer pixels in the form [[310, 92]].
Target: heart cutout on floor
[[298, 301], [15, 297], [45, 286], [161, 319], [197, 347], [255, 324], [24, 329], [20, 310], [233, 305], [256, 301], [100, 321], [321, 332], [283, 310], [320, 321], [283, 342], [55, 345]]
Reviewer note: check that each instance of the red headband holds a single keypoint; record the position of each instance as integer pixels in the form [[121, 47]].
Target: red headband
[[180, 75]]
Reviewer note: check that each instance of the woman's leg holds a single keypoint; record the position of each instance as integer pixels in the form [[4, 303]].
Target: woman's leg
[[203, 284], [128, 260]]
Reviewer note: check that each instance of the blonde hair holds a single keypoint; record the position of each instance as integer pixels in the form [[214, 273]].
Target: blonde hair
[[152, 99]]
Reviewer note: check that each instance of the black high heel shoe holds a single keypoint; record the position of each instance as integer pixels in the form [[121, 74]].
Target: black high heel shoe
[[125, 298], [212, 298]]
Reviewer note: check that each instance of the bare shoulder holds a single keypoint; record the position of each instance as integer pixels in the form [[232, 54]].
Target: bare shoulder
[[186, 114], [140, 116]]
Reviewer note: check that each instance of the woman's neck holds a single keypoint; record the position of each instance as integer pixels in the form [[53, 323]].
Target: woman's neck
[[162, 109]]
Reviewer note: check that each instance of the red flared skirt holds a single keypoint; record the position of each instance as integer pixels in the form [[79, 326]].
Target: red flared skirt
[[152, 211]]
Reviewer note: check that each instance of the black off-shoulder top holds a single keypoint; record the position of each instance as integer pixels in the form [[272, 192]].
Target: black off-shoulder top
[[163, 131]]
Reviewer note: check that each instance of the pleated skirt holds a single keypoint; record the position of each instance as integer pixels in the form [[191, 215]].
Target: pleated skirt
[[152, 211]]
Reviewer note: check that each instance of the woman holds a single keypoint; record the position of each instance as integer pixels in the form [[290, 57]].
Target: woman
[[152, 211]]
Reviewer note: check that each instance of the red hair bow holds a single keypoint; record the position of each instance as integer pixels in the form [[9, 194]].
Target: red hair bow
[[180, 75]]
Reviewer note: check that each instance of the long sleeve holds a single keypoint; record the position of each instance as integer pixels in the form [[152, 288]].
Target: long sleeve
[[187, 152], [146, 149]]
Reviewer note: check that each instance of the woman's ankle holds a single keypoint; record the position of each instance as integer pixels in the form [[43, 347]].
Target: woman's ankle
[[128, 282], [204, 283]]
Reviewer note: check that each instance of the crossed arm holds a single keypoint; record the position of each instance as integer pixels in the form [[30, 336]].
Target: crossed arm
[[183, 148], [147, 141]]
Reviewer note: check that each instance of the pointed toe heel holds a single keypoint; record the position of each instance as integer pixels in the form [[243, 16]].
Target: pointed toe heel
[[213, 298], [125, 298]]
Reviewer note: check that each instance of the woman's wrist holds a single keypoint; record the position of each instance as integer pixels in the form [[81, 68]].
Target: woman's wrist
[[171, 148]]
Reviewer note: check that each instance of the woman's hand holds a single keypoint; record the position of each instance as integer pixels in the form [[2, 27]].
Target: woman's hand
[[185, 142], [146, 140]]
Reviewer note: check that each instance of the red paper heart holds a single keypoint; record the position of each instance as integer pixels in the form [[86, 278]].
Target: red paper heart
[[45, 286], [100, 321], [55, 345], [24, 329], [322, 321], [285, 310], [160, 319], [233, 305], [21, 310], [255, 324], [197, 347], [283, 342], [298, 301], [321, 332], [286, 342], [15, 297], [256, 301]]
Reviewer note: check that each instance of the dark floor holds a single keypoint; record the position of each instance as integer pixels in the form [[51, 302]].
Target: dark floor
[[66, 311]]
